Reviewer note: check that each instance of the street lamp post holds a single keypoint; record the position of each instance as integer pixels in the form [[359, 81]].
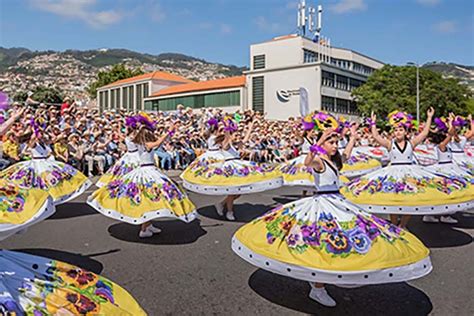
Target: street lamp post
[[417, 90]]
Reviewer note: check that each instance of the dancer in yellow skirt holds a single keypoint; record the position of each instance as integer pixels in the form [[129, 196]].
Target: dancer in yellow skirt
[[19, 207], [129, 161], [145, 193], [403, 188], [60, 180], [327, 239], [231, 176]]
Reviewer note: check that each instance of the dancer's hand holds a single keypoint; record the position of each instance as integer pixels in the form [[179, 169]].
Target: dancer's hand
[[354, 128], [373, 117], [430, 112]]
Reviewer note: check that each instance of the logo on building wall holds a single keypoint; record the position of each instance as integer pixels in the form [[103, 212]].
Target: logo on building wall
[[285, 95]]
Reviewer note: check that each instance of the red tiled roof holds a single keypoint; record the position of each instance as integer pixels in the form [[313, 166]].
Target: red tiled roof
[[148, 76], [230, 82]]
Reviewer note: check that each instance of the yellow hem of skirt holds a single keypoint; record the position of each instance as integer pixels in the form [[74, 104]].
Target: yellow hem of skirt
[[382, 254], [372, 163], [429, 197]]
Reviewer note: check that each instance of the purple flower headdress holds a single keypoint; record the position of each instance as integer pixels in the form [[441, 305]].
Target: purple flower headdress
[[145, 120], [460, 121], [441, 124], [229, 124], [212, 122], [399, 118], [38, 125], [131, 122], [319, 121]]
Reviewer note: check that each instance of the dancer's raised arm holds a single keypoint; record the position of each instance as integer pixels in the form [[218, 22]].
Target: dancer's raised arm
[[418, 139], [375, 133]]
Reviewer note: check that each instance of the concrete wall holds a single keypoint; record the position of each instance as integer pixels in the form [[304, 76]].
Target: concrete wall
[[290, 80]]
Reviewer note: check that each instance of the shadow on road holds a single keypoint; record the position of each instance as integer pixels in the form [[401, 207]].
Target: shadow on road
[[82, 261], [243, 213], [386, 299], [69, 210], [465, 220], [173, 233], [439, 235]]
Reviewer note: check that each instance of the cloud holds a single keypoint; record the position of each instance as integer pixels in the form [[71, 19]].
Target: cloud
[[264, 25], [429, 3], [226, 29], [156, 12], [80, 10], [446, 27], [205, 25], [345, 6]]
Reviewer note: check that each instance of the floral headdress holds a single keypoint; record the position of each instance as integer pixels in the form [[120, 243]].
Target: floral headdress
[[441, 124], [131, 122], [143, 119], [229, 124], [319, 121], [460, 121], [213, 122], [399, 118], [38, 125]]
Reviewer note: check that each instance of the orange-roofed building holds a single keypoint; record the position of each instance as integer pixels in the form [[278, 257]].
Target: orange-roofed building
[[128, 94], [228, 93]]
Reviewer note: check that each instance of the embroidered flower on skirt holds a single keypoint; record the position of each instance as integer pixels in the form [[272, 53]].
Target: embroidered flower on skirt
[[327, 234], [406, 185], [27, 177], [85, 291], [151, 190]]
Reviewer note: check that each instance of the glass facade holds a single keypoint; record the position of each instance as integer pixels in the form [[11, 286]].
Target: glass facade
[[340, 82], [337, 105], [310, 56], [217, 99]]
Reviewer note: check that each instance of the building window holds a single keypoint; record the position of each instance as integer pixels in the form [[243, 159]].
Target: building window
[[327, 103], [342, 105], [327, 79], [145, 90], [124, 98], [130, 99], [258, 94], [218, 99], [117, 98], [342, 82], [259, 62], [106, 99], [309, 56], [138, 96]]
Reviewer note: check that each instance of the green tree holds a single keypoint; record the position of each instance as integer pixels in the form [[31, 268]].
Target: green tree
[[394, 87], [117, 72], [41, 94]]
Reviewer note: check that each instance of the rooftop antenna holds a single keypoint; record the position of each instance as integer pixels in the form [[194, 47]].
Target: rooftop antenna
[[307, 20], [302, 17]]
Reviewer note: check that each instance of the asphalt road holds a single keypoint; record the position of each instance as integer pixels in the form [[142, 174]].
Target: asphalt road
[[190, 269]]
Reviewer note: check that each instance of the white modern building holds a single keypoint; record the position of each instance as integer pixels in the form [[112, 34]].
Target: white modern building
[[280, 68]]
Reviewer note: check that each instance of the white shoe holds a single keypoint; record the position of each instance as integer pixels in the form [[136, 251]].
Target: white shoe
[[430, 219], [230, 216], [219, 208], [448, 220], [153, 229], [321, 296], [147, 233]]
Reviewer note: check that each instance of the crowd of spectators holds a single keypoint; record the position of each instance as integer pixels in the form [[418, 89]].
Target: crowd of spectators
[[92, 141]]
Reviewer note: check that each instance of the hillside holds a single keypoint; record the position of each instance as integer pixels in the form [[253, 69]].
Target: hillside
[[73, 70], [450, 70]]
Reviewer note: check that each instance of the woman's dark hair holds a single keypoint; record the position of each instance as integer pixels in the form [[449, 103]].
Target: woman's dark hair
[[336, 159], [436, 137], [219, 139]]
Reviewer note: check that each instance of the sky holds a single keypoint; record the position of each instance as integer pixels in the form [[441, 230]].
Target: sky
[[393, 31]]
